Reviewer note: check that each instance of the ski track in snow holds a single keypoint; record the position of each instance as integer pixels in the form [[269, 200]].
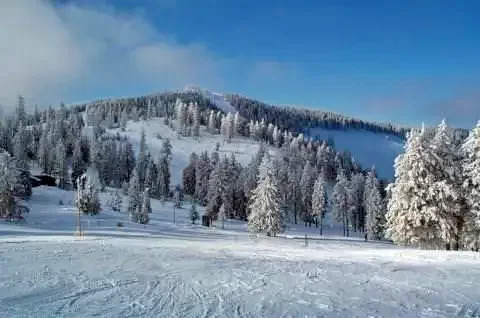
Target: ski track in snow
[[121, 277], [183, 270]]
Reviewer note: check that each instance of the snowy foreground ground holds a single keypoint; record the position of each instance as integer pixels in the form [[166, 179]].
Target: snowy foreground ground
[[180, 270]]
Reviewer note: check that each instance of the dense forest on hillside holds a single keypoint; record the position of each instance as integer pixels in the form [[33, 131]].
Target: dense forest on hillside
[[300, 119]]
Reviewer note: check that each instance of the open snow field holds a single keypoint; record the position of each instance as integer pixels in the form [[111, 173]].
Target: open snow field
[[183, 270]]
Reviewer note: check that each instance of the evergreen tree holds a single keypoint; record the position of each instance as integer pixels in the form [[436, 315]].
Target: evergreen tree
[[181, 110], [20, 149], [306, 185], [221, 215], [471, 188], [128, 160], [340, 201], [319, 200], [134, 194], [141, 164], [412, 218], [375, 209], [87, 200], [202, 174], [166, 150], [211, 122], [163, 177], [294, 177], [115, 201], [214, 195], [445, 197], [226, 179], [196, 121], [146, 207], [252, 172], [265, 216], [62, 165], [189, 178], [150, 176], [21, 114], [193, 213], [10, 205], [78, 164], [355, 201], [236, 124]]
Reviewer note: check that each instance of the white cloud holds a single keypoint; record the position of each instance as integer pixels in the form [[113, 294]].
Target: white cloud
[[48, 53]]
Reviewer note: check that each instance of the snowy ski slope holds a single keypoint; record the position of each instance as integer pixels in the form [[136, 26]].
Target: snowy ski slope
[[183, 270], [182, 147]]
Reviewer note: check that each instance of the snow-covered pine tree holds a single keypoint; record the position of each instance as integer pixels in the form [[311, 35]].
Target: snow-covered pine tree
[[355, 199], [211, 123], [141, 163], [87, 200], [214, 196], [276, 136], [471, 187], [128, 161], [146, 206], [150, 175], [20, 148], [61, 171], [196, 121], [339, 201], [252, 171], [224, 126], [115, 201], [188, 175], [43, 152], [374, 208], [202, 174], [163, 177], [20, 112], [306, 187], [166, 150], [319, 200], [230, 127], [193, 213], [295, 170], [265, 216], [134, 194], [236, 124], [410, 218], [445, 197], [221, 215], [78, 164], [227, 181], [124, 119], [181, 110], [10, 205]]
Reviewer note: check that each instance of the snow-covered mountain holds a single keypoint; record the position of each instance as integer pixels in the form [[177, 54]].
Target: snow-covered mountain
[[218, 99]]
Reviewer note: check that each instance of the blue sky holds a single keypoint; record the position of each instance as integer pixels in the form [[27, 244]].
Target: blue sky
[[401, 61]]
